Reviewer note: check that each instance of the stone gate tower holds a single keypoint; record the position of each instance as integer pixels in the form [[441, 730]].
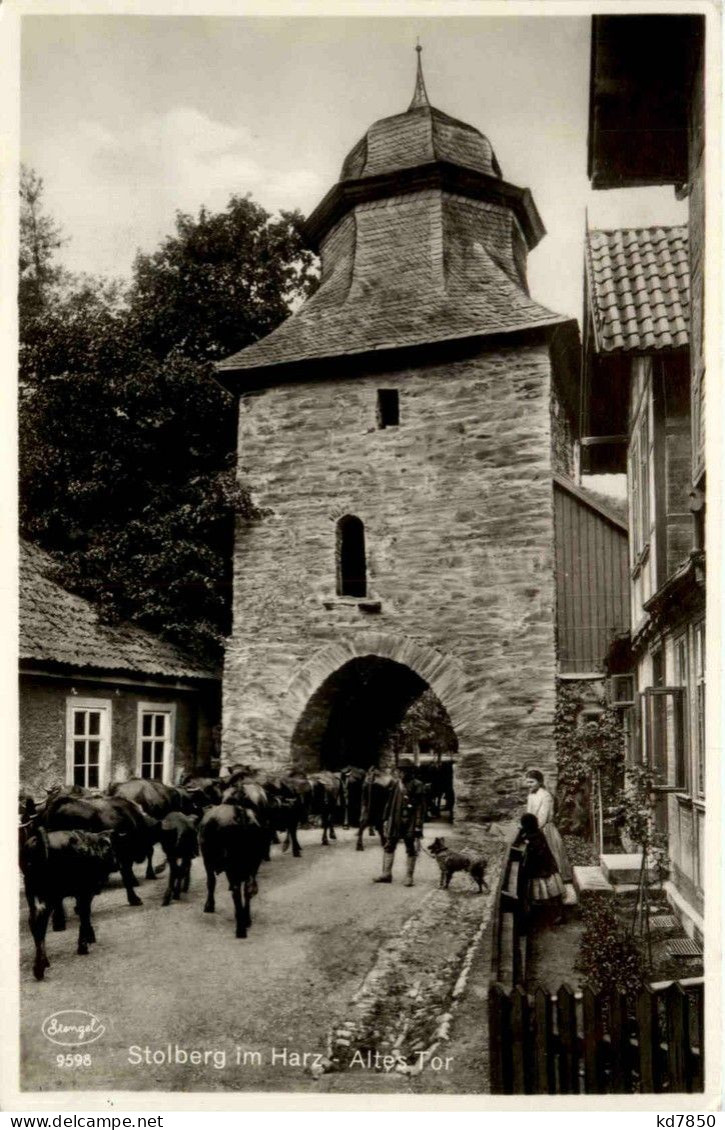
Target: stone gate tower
[[400, 432]]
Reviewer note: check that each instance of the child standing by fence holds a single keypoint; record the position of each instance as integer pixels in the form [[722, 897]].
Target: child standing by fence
[[543, 883]]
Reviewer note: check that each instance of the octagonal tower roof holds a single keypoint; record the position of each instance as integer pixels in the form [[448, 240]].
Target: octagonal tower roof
[[419, 136], [421, 241]]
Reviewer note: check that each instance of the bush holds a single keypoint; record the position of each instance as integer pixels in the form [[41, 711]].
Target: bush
[[609, 956]]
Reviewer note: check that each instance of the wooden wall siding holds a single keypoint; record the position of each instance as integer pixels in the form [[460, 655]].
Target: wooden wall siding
[[592, 583]]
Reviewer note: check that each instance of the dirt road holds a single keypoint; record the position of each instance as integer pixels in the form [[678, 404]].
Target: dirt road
[[159, 977]]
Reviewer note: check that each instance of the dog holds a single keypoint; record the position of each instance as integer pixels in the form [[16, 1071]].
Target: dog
[[450, 861]]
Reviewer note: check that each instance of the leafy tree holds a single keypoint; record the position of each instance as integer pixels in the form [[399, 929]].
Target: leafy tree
[[222, 281], [82, 327], [127, 442], [40, 239]]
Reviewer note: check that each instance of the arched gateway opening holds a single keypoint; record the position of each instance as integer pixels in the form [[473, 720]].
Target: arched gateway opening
[[371, 711]]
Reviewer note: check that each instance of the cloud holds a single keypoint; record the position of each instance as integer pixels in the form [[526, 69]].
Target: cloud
[[114, 191]]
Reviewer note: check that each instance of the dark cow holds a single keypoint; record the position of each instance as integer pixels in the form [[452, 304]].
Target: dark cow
[[204, 791], [26, 808], [251, 795], [296, 785], [57, 865], [232, 841], [135, 831], [293, 785], [351, 786], [27, 818], [180, 845], [438, 776], [374, 795], [154, 797], [326, 798], [275, 811]]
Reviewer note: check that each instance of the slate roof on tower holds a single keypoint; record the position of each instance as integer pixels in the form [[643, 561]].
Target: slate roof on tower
[[420, 135], [421, 241]]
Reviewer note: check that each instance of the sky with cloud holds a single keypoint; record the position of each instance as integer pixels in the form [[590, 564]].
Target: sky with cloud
[[130, 118]]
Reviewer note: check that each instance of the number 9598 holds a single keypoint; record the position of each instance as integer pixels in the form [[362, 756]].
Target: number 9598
[[74, 1059]]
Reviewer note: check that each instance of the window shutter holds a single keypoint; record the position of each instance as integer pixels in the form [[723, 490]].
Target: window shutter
[[664, 709]]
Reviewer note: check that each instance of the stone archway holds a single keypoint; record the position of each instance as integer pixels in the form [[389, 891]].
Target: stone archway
[[368, 712], [443, 674]]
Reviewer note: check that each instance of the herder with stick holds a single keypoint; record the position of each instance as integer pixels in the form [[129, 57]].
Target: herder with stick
[[403, 820]]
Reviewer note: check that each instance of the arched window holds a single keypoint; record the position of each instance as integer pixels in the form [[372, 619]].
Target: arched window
[[351, 569]]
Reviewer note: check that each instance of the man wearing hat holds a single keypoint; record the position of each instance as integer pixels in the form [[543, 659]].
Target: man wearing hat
[[403, 820]]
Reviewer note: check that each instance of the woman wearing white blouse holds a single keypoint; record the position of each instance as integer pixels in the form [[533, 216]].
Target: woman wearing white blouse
[[540, 803]]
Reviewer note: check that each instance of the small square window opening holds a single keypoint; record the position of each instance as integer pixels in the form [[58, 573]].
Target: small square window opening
[[388, 408]]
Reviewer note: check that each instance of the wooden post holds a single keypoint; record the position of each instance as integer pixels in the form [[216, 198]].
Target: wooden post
[[620, 1046], [520, 1042], [544, 1082], [499, 1039], [698, 1081], [678, 1039], [648, 1040], [594, 1077], [568, 1044]]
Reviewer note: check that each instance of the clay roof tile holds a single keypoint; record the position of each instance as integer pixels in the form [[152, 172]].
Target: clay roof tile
[[58, 627], [638, 283]]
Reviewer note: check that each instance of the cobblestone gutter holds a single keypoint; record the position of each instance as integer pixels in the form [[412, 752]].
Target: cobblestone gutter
[[402, 1013]]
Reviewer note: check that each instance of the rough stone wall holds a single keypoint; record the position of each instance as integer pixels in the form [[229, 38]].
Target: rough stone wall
[[458, 512], [562, 438], [42, 707]]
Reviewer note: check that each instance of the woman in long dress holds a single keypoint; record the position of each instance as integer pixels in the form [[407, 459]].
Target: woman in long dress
[[540, 803]]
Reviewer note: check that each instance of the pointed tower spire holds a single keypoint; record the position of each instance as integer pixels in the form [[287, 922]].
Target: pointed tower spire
[[420, 95]]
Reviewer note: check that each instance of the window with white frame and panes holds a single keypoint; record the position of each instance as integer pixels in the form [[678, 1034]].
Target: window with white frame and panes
[[155, 740], [88, 744]]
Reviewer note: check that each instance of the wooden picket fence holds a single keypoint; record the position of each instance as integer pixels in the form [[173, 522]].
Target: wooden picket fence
[[584, 1042], [509, 943]]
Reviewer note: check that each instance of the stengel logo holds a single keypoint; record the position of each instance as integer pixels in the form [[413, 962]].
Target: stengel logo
[[72, 1027]]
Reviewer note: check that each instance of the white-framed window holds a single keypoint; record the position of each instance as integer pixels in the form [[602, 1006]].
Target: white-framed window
[[88, 742], [663, 713], [155, 740], [621, 690]]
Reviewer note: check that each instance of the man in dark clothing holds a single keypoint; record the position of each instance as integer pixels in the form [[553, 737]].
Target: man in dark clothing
[[403, 820]]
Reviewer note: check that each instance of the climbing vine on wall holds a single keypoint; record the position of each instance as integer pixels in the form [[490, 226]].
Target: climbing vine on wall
[[590, 756]]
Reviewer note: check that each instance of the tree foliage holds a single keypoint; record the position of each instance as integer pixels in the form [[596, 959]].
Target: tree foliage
[[222, 281], [40, 239], [635, 811], [583, 752], [126, 440]]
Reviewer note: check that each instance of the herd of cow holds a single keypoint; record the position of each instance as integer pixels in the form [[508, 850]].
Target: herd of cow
[[70, 844]]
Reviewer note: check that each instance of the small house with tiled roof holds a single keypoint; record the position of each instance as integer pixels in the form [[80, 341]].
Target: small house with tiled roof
[[401, 431], [636, 407], [102, 702]]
